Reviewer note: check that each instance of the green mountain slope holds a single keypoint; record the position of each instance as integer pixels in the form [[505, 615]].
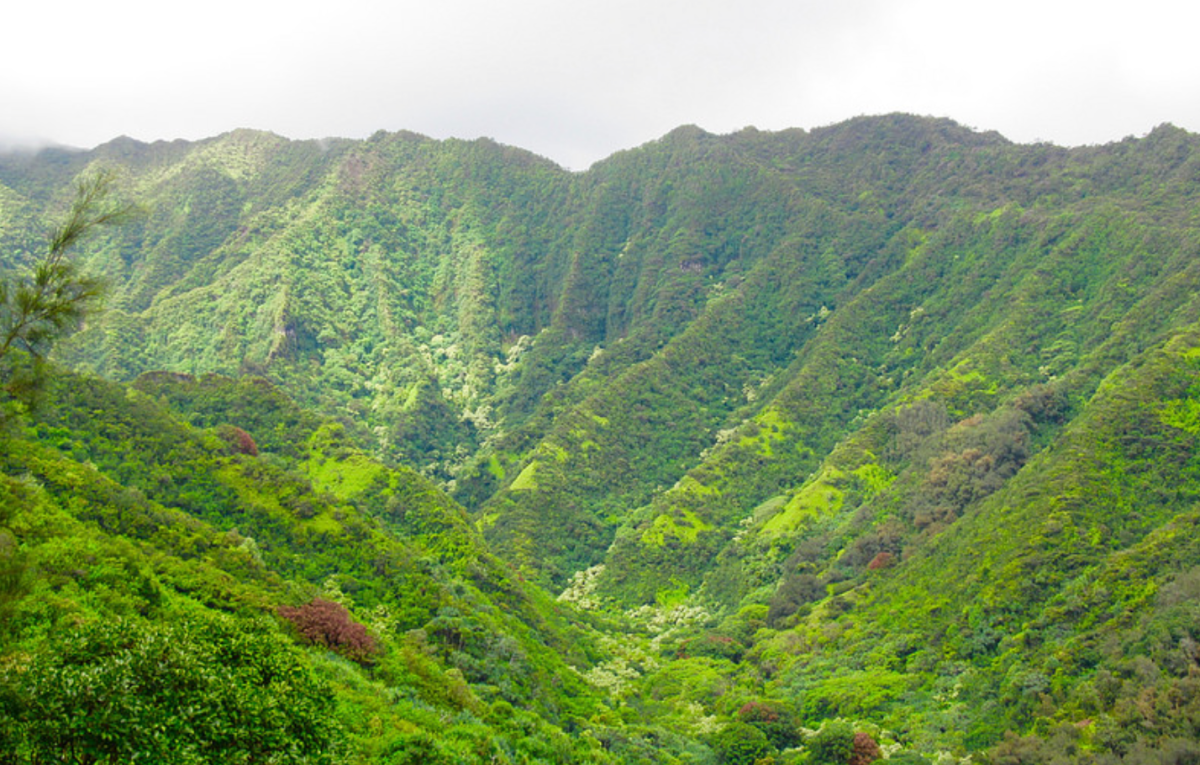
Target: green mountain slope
[[889, 421], [125, 530]]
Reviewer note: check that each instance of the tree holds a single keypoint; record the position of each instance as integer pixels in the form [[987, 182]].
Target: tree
[[740, 743], [42, 307], [327, 623], [833, 744], [865, 749], [775, 720], [192, 690], [12, 568]]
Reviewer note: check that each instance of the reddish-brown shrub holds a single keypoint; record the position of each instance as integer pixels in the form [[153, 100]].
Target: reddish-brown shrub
[[327, 623], [239, 440], [882, 560], [865, 750]]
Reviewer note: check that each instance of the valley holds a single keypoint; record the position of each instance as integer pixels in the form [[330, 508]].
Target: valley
[[878, 439]]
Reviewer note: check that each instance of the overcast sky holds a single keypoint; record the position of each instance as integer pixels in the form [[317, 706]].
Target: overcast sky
[[576, 80]]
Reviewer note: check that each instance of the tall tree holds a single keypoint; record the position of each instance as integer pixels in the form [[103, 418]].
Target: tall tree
[[50, 302]]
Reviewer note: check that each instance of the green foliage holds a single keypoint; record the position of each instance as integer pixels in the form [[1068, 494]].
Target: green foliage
[[854, 693], [741, 744], [38, 309], [889, 420], [833, 744], [775, 720], [191, 691], [12, 572], [90, 549]]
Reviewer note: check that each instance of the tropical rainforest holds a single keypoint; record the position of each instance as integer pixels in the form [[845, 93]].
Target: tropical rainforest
[[879, 440]]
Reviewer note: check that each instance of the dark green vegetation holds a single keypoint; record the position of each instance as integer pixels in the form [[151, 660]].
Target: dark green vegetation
[[880, 437]]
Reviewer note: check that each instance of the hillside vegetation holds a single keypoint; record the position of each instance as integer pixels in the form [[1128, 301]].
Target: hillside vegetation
[[728, 447]]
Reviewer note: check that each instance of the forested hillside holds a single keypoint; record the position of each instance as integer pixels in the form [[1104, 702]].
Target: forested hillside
[[728, 447]]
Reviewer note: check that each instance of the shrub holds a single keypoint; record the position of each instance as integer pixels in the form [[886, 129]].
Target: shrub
[[833, 744], [714, 646], [795, 591], [882, 560], [741, 744], [327, 623], [239, 441], [865, 749], [189, 692], [776, 721]]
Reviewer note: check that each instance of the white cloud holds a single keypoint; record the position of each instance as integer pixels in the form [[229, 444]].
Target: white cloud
[[576, 81]]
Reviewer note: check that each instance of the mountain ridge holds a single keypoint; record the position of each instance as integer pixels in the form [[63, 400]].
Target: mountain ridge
[[776, 381]]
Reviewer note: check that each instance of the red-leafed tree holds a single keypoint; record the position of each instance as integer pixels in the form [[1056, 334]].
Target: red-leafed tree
[[865, 749], [327, 623], [882, 560], [240, 442]]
